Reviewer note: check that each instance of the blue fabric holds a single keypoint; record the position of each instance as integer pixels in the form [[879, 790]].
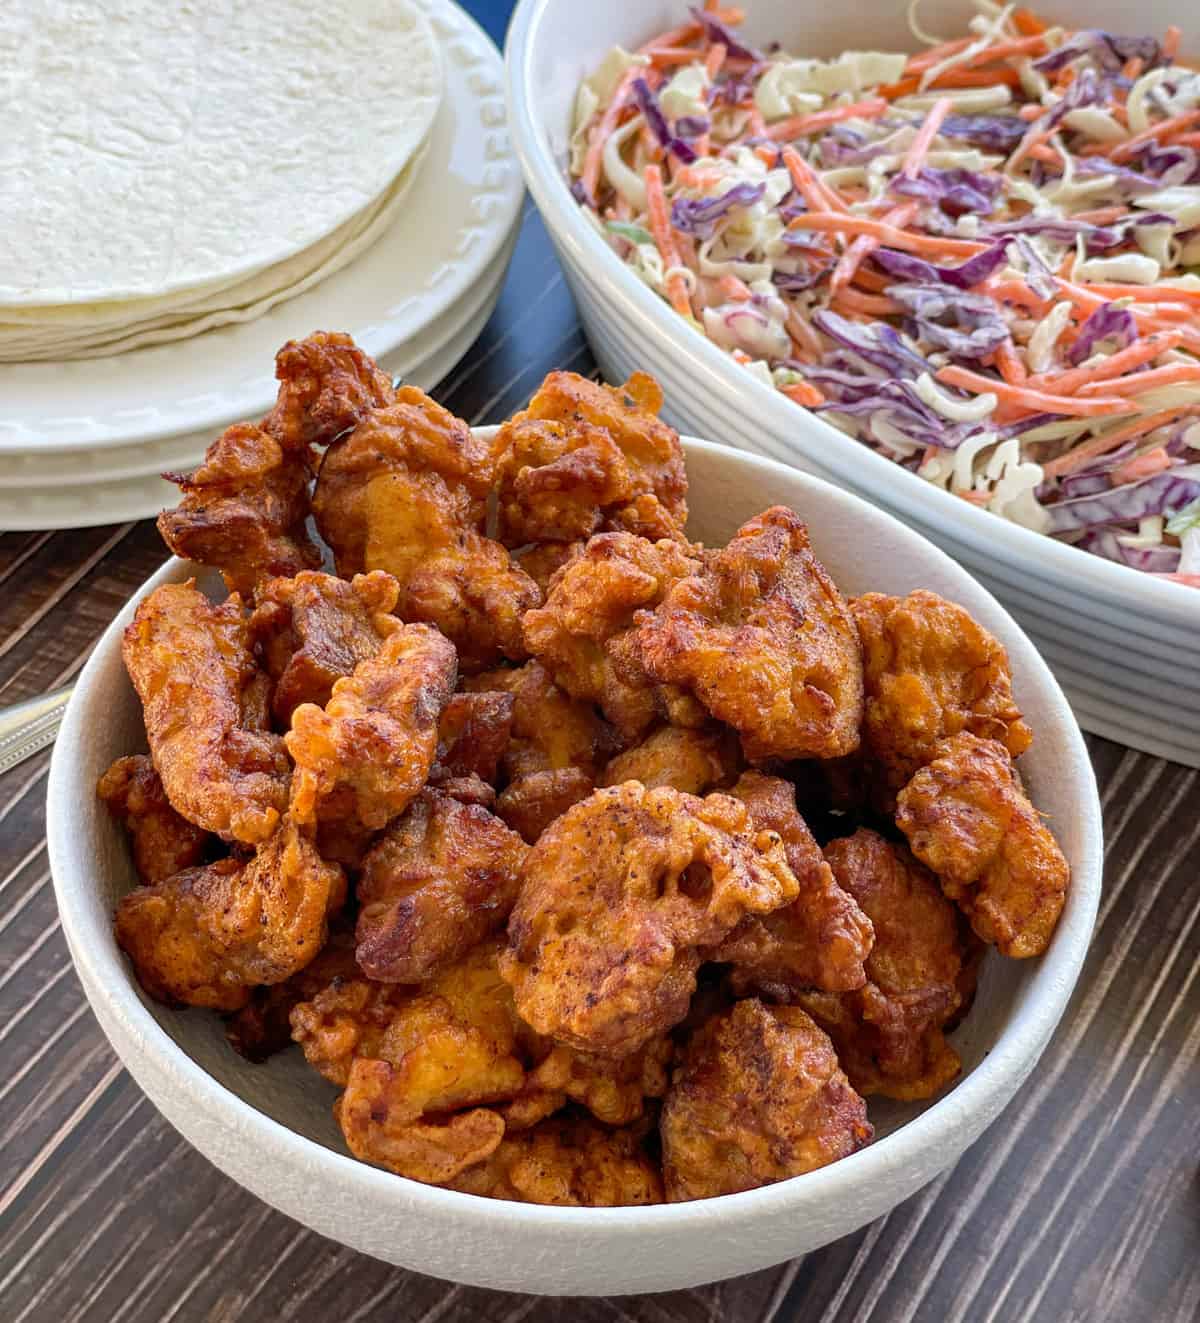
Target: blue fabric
[[491, 15]]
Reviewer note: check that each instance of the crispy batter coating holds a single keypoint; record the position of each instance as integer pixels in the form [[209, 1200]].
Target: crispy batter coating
[[206, 936], [890, 1033], [569, 1161], [162, 842], [967, 818], [326, 385], [473, 736], [618, 897], [368, 752], [243, 510], [346, 1018], [763, 639], [758, 1097], [542, 561], [613, 1091], [438, 881], [556, 749], [929, 671], [694, 761], [191, 664], [577, 634], [822, 938], [313, 629], [584, 454]]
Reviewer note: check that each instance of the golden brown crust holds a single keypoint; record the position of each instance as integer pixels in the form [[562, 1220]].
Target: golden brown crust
[[618, 897], [313, 629], [758, 1097], [437, 882], [967, 818], [822, 938], [473, 737], [889, 1033], [162, 842], [694, 761], [191, 664], [762, 638], [368, 752], [206, 936], [613, 1091], [929, 671]]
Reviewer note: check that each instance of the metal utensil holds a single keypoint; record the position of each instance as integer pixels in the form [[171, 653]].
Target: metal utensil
[[27, 728]]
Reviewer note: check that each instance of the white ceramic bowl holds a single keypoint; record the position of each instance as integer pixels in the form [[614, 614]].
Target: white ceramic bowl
[[1124, 646], [269, 1127]]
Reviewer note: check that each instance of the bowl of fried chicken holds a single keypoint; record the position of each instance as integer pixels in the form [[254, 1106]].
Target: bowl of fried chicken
[[564, 857]]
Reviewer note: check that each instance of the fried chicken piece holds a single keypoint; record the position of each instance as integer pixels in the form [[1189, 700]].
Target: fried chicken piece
[[618, 897], [822, 938], [162, 842], [263, 1026], [473, 737], [326, 386], [613, 1091], [757, 1097], [345, 1019], [365, 756], [438, 881], [577, 634], [968, 819], [412, 435], [694, 761], [243, 511], [555, 751], [191, 664], [584, 457], [929, 672], [206, 936], [890, 1033], [569, 1161], [762, 638], [313, 629], [542, 561]]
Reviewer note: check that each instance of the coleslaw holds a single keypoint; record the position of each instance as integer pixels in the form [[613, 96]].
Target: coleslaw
[[982, 261]]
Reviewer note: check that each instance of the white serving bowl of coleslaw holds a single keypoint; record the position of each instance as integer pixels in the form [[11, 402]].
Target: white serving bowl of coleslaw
[[1125, 645]]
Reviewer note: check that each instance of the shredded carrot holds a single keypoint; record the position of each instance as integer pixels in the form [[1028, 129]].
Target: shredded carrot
[[975, 497], [1035, 400], [799, 125], [1027, 22], [1124, 151], [850, 299], [1014, 291], [602, 130], [733, 288], [1101, 445], [660, 227], [1010, 366], [1170, 45], [875, 282], [1034, 44], [1133, 67], [687, 176], [804, 337], [1115, 365], [740, 356], [936, 54], [862, 247], [1100, 216], [1191, 580], [664, 56], [804, 393], [1161, 293], [811, 188], [1141, 466], [714, 59], [914, 158], [1183, 140], [886, 234], [951, 78], [908, 84], [1138, 382]]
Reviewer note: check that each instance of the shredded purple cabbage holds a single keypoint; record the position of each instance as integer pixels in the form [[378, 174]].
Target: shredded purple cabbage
[[956, 192], [1169, 166], [898, 402], [796, 282], [966, 325], [1108, 322], [648, 105], [876, 342], [1130, 180], [692, 126], [1156, 560], [1170, 490], [1108, 50], [718, 32], [1038, 275], [699, 216], [971, 272], [997, 132]]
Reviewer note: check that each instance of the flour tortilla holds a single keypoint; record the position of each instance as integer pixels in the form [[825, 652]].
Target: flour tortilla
[[170, 160]]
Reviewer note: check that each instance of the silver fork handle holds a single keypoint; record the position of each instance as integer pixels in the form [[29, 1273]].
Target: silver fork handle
[[27, 728]]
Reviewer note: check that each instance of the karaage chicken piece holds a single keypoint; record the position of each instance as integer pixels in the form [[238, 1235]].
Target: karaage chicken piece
[[618, 898], [162, 842], [438, 881], [694, 761], [207, 936], [203, 695], [243, 511], [569, 1161], [583, 454], [762, 638], [890, 1033], [473, 737], [929, 672], [556, 748], [326, 386], [614, 1091], [968, 819], [313, 629], [757, 1097], [367, 753], [577, 634], [822, 938], [543, 560], [346, 1018]]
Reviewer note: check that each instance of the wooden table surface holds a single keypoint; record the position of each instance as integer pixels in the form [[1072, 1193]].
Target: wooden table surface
[[1081, 1203]]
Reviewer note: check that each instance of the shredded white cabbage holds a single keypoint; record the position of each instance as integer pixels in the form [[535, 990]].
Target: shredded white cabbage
[[685, 93], [974, 410], [1182, 201], [618, 174], [1040, 351], [1095, 123], [1149, 534], [1129, 268]]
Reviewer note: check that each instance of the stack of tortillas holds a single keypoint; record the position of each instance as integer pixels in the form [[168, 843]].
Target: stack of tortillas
[[174, 165]]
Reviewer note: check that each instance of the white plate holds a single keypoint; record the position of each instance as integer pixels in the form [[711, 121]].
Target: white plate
[[142, 494], [1124, 646], [461, 209]]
